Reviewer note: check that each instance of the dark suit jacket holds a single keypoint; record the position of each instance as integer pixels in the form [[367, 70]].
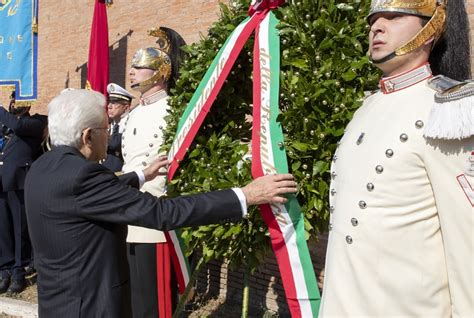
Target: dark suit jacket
[[77, 212], [21, 149]]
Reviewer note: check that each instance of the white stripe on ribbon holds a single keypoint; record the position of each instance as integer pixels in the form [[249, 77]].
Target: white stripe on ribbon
[[183, 263]]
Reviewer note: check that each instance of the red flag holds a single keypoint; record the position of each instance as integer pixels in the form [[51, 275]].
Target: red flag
[[98, 65]]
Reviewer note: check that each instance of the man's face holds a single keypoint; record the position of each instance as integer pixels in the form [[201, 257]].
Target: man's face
[[389, 31], [99, 140], [115, 109], [138, 75]]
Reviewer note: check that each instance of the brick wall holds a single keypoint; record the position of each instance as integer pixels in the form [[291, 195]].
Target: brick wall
[[64, 30], [265, 288]]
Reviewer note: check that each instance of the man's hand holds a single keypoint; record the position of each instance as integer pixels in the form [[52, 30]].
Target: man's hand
[[269, 189], [156, 168]]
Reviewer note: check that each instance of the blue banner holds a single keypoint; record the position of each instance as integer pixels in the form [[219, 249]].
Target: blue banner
[[19, 47]]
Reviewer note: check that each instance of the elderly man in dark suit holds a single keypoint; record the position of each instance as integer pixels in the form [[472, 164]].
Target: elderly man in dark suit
[[78, 211], [21, 148]]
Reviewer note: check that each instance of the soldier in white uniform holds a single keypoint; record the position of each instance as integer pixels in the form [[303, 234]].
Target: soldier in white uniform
[[153, 72], [401, 240]]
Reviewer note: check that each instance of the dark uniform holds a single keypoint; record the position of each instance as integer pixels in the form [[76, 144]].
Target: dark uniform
[[21, 148], [118, 97], [114, 159]]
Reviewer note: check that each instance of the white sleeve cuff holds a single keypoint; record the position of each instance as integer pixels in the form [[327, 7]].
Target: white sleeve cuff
[[141, 178], [243, 201]]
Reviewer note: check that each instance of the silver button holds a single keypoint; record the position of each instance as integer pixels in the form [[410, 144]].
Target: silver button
[[331, 209], [349, 239], [354, 222], [333, 192], [360, 139], [379, 169], [419, 124], [333, 175], [362, 204], [330, 227], [144, 163], [334, 158], [147, 154], [155, 135], [389, 153], [403, 137], [151, 145], [161, 127], [370, 187], [123, 137], [124, 154]]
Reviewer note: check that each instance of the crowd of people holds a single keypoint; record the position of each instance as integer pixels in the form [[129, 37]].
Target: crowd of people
[[401, 198]]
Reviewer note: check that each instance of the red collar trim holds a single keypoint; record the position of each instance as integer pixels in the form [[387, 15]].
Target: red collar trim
[[404, 80]]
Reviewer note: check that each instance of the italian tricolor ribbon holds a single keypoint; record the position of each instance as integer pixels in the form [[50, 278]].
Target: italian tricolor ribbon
[[285, 221]]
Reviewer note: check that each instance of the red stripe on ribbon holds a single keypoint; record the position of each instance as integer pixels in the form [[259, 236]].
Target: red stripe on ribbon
[[282, 255], [177, 264]]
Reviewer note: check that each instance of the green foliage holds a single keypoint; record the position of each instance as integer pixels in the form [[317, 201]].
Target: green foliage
[[324, 74]]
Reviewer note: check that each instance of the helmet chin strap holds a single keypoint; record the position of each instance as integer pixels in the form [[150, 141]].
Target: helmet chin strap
[[383, 59], [146, 84], [431, 30]]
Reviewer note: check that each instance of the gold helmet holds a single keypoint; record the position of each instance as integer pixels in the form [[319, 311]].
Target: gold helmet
[[155, 58], [434, 10]]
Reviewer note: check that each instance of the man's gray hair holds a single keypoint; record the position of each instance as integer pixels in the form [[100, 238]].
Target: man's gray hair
[[71, 112]]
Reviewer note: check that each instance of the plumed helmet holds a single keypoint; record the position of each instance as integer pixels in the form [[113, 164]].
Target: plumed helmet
[[434, 10], [152, 58], [164, 58], [423, 8]]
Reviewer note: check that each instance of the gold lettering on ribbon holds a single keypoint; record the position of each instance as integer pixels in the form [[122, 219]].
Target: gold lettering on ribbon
[[1, 39], [19, 38], [265, 143], [10, 55], [197, 108]]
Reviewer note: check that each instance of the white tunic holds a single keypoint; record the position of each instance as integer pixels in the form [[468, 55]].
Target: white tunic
[[402, 237], [142, 138]]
